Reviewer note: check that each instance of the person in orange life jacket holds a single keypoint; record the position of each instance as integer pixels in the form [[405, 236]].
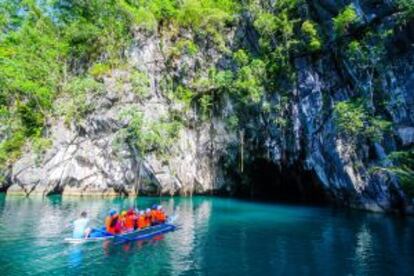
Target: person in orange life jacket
[[122, 219], [148, 217], [141, 222], [161, 217], [157, 215], [112, 223], [129, 220], [154, 214], [108, 218]]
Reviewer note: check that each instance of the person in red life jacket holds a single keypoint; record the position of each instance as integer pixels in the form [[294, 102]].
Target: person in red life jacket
[[112, 223], [141, 221], [129, 220]]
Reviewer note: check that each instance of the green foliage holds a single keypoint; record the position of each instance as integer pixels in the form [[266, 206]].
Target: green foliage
[[353, 120], [249, 82], [94, 29], [364, 60], [79, 92], [206, 104], [233, 122], [207, 18], [184, 46], [10, 148], [312, 36], [99, 70], [365, 55], [184, 95], [207, 14], [266, 24], [149, 136], [279, 39], [140, 83], [39, 147], [140, 15], [350, 117], [404, 169], [41, 144], [31, 59], [407, 10], [344, 19], [56, 48], [241, 57], [376, 127]]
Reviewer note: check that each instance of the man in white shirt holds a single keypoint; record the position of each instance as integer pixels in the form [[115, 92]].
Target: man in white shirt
[[80, 227]]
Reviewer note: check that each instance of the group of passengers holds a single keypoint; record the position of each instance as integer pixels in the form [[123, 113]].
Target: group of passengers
[[125, 222], [134, 219]]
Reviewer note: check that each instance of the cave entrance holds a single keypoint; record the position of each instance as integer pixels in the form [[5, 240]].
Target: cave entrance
[[291, 183]]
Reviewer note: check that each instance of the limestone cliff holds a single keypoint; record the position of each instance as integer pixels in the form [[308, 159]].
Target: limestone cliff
[[288, 144]]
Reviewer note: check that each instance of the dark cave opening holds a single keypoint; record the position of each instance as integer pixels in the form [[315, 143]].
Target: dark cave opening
[[291, 184]]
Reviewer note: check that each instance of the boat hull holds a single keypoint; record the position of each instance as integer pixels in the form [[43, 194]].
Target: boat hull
[[99, 235]]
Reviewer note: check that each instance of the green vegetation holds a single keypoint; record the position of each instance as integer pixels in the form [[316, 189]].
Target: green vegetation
[[79, 92], [278, 39], [344, 19], [353, 120], [149, 136], [140, 83], [31, 59], [99, 70], [404, 169], [55, 55], [407, 10], [54, 49], [313, 40], [248, 84], [183, 47]]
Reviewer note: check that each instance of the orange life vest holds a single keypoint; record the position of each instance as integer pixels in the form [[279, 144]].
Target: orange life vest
[[107, 222], [142, 222], [161, 216], [154, 215], [111, 227], [129, 221], [148, 219]]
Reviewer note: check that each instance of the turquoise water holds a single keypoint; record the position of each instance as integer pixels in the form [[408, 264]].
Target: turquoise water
[[216, 237]]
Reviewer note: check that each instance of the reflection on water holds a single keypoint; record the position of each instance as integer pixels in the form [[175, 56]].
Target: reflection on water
[[215, 236]]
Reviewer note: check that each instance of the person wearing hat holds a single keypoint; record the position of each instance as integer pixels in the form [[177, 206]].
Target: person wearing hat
[[154, 214], [129, 220], [141, 221], [161, 217], [148, 217], [122, 219], [112, 223]]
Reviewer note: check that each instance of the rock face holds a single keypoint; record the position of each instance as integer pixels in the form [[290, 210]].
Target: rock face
[[85, 161], [206, 157]]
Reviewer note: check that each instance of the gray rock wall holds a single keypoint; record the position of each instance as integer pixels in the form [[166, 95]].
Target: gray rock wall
[[205, 157]]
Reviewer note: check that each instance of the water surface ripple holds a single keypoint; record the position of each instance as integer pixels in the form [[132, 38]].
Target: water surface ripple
[[216, 237]]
